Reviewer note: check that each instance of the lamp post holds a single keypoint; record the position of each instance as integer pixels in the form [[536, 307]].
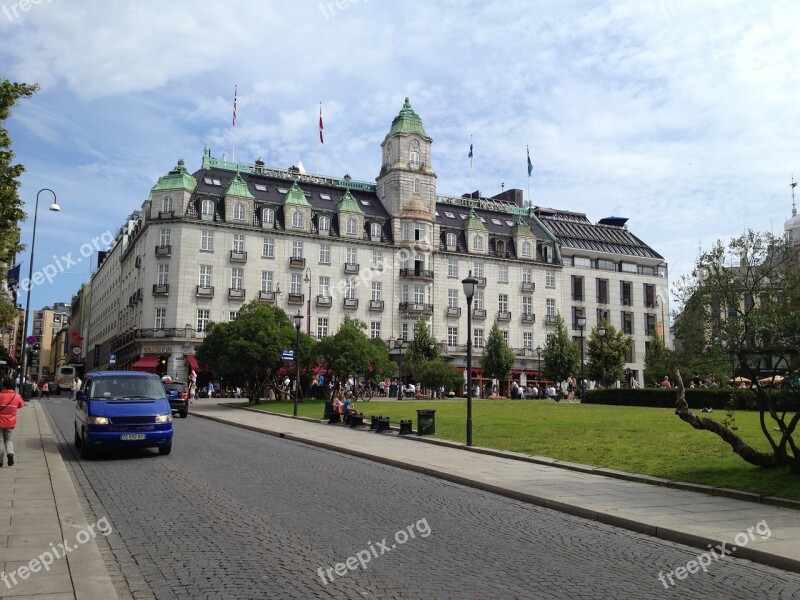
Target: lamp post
[[399, 346], [432, 348], [298, 319], [581, 324], [539, 354], [307, 279], [601, 333], [469, 291], [55, 208]]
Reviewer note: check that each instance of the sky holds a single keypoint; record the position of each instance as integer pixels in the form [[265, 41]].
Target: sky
[[680, 115]]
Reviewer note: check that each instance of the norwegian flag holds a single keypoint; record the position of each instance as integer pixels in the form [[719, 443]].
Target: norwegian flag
[[234, 105], [321, 127]]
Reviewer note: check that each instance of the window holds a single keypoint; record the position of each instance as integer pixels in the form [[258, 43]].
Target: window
[[268, 251], [325, 254], [477, 300], [577, 288], [322, 327], [452, 298], [237, 277], [452, 336], [238, 211], [324, 225], [232, 315], [325, 287], [577, 312], [527, 275], [163, 273], [505, 335], [527, 305], [404, 331], [161, 318], [351, 256], [502, 273], [295, 287], [649, 295], [627, 323], [166, 205], [203, 316], [477, 269], [377, 291], [207, 208], [527, 249], [164, 237], [297, 249], [625, 293], [416, 185], [602, 291], [351, 226], [205, 276], [266, 281], [377, 260], [420, 232], [502, 303], [630, 355], [413, 158], [550, 278], [350, 289], [550, 305], [452, 267], [450, 241], [404, 293], [606, 265], [406, 231], [477, 243], [375, 330], [527, 340], [238, 242], [649, 324], [268, 218], [297, 218], [375, 231], [603, 315], [207, 241], [419, 294], [477, 338]]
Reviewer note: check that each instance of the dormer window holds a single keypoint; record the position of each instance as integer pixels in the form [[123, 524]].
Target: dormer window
[[166, 205], [500, 248], [477, 243], [450, 241], [351, 226], [527, 249], [297, 219], [207, 210], [324, 225], [238, 211], [375, 231], [268, 218]]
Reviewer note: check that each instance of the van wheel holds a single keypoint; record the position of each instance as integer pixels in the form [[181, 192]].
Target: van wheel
[[77, 439], [165, 450], [86, 452], [183, 413]]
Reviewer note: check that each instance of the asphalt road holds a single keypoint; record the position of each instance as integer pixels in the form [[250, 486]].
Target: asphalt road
[[237, 514]]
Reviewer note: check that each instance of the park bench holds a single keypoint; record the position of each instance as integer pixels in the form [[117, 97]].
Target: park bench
[[380, 424]]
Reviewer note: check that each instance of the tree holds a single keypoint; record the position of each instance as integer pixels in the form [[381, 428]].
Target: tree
[[437, 373], [497, 358], [658, 361], [560, 355], [351, 352], [744, 296], [420, 349], [615, 346], [248, 349], [11, 212]]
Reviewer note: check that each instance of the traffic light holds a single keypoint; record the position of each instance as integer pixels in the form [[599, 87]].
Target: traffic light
[[161, 368]]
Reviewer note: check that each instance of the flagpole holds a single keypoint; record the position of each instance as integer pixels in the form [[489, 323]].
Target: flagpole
[[320, 136], [527, 148], [233, 125], [470, 166]]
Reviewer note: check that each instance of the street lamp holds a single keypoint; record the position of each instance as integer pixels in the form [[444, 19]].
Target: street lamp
[[298, 319], [432, 348], [307, 279], [399, 345], [539, 354], [601, 333], [55, 208], [469, 291], [581, 324]]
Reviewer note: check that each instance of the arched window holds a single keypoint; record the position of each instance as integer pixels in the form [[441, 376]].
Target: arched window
[[324, 225], [375, 230], [527, 248], [238, 211], [351, 226], [207, 208], [268, 218], [413, 158], [477, 243], [297, 218], [167, 205], [450, 241]]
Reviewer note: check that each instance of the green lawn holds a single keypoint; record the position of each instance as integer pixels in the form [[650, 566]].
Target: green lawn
[[652, 441]]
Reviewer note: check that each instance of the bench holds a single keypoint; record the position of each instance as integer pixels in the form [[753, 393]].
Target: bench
[[380, 424]]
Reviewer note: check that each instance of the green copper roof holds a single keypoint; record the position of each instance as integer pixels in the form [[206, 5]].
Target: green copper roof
[[177, 179], [521, 228], [238, 187], [407, 122], [295, 197], [349, 204], [473, 221]]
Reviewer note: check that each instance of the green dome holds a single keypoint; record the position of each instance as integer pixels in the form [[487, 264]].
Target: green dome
[[177, 179], [408, 122], [238, 187]]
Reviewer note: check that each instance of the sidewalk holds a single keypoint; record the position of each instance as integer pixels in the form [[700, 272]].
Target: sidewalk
[[39, 510], [683, 516]]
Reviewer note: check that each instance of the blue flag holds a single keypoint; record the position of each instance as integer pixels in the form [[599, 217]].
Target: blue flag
[[530, 165], [12, 277], [470, 151]]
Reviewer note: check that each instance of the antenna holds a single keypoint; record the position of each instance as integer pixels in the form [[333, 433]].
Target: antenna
[[793, 185]]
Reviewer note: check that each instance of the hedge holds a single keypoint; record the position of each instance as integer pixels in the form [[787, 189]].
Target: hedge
[[696, 398]]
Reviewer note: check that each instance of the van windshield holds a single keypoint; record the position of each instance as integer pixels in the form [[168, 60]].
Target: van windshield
[[126, 388]]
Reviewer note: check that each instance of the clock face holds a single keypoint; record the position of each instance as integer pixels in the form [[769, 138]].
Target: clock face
[[414, 144]]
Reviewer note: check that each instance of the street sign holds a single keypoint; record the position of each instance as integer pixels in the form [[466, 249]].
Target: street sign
[[30, 340], [112, 358], [287, 355], [76, 350]]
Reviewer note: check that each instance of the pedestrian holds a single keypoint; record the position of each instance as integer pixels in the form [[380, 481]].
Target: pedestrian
[[74, 387], [630, 378], [571, 386], [10, 401], [210, 389], [192, 392], [34, 390], [45, 389], [665, 382]]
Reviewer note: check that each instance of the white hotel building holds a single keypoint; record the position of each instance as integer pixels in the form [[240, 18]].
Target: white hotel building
[[388, 253]]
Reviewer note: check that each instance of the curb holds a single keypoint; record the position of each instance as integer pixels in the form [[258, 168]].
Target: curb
[[664, 533]]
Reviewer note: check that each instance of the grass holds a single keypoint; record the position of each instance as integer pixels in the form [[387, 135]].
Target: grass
[[651, 441]]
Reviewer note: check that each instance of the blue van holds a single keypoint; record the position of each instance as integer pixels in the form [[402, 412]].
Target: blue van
[[122, 409]]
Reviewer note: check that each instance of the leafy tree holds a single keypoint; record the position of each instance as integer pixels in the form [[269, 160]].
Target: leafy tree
[[658, 361], [10, 204], [497, 358], [560, 355], [248, 349], [437, 373], [744, 296], [611, 355], [420, 349], [351, 352]]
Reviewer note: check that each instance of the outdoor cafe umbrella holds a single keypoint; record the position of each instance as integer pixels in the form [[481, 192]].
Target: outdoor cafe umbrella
[[740, 379], [771, 380]]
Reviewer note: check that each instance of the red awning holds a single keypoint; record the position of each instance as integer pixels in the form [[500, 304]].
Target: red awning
[[190, 358], [147, 363]]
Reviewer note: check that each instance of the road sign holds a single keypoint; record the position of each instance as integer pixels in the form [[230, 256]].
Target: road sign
[[76, 350], [112, 358], [287, 355], [30, 340]]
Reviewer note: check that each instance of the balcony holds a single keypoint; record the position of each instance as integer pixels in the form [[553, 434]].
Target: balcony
[[550, 320], [528, 286], [161, 290], [453, 311], [324, 301], [350, 303], [204, 292], [503, 315], [236, 294], [351, 268], [416, 307], [164, 250], [239, 257], [166, 214], [417, 274], [528, 318], [376, 305], [481, 281], [297, 263], [296, 298], [269, 297], [479, 313]]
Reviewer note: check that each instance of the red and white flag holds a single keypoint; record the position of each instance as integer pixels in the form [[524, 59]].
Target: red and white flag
[[321, 141], [234, 105]]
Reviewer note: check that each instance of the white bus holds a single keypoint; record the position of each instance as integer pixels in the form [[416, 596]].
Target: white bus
[[64, 376]]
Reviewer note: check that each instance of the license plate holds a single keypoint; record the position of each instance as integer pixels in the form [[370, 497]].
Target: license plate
[[132, 436]]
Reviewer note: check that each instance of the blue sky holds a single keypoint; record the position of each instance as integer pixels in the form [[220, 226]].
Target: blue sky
[[677, 114]]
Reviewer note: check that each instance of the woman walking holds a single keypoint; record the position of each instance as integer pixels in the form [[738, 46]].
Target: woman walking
[[10, 401]]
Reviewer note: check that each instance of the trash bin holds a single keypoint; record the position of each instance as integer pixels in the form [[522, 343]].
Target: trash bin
[[26, 391], [426, 422], [393, 390]]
